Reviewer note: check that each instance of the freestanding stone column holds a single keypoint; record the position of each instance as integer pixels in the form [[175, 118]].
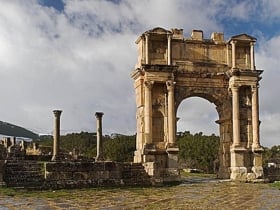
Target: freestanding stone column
[[235, 116], [255, 117], [148, 112], [99, 149], [171, 112], [56, 134]]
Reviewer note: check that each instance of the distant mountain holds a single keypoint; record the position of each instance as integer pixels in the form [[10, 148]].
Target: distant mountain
[[7, 129]]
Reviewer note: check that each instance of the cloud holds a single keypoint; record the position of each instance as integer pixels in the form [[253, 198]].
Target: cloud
[[267, 58], [79, 59], [197, 115]]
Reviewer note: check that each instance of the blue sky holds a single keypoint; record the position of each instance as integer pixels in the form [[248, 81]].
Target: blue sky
[[77, 56]]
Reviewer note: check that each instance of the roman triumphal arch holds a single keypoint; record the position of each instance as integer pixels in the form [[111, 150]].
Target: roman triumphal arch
[[171, 68]]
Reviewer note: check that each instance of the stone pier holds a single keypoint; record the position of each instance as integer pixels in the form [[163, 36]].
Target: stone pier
[[99, 149], [56, 134]]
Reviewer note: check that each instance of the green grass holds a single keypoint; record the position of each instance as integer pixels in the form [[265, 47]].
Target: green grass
[[275, 184], [189, 175]]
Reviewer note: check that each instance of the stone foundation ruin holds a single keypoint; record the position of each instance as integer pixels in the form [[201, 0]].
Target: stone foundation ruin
[[36, 170]]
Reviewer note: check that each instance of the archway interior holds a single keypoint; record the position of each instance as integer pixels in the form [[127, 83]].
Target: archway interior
[[196, 115]]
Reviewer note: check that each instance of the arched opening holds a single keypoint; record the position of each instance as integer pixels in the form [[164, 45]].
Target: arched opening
[[196, 115], [198, 135]]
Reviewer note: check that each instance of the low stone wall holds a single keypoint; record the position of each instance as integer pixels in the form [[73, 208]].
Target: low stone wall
[[272, 174], [70, 174]]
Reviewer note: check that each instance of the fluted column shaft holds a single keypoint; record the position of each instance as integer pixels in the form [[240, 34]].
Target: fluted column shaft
[[169, 37], [171, 112], [56, 134], [255, 117], [99, 145], [235, 116], [148, 111], [233, 45], [252, 55], [147, 48]]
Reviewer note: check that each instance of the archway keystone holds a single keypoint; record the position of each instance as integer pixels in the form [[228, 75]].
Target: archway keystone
[[171, 68]]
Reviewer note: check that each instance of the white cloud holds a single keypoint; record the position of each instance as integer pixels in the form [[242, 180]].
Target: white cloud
[[197, 115], [79, 60]]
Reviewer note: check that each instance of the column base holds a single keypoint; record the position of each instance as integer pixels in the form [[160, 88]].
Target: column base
[[238, 173], [246, 165], [172, 157], [160, 163]]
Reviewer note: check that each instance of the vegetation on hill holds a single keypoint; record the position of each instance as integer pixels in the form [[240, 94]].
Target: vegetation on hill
[[8, 129], [271, 155], [116, 148], [198, 151]]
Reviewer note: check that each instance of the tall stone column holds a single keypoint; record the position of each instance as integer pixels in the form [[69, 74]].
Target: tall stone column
[[169, 37], [233, 45], [171, 112], [255, 117], [147, 48], [252, 55], [148, 112], [235, 116], [99, 149], [56, 134]]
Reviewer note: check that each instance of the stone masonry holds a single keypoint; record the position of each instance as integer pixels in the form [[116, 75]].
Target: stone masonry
[[171, 68]]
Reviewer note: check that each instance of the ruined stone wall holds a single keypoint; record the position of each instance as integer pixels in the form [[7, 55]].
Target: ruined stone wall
[[59, 175], [272, 174]]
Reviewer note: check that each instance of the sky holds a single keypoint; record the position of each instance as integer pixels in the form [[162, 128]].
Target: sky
[[77, 56]]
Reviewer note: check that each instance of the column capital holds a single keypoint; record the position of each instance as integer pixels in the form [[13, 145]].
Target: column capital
[[169, 36], [57, 113], [170, 85], [254, 88], [233, 42], [99, 114], [234, 87], [252, 43], [149, 84]]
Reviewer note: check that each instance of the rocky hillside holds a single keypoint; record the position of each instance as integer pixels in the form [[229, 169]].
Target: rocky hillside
[[8, 129]]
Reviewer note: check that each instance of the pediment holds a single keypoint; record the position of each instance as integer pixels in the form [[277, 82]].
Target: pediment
[[158, 30], [243, 37]]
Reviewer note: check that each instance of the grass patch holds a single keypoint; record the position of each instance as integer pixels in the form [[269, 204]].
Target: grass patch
[[275, 184], [189, 175]]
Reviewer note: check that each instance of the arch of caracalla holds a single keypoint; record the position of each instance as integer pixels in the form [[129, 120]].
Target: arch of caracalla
[[172, 68]]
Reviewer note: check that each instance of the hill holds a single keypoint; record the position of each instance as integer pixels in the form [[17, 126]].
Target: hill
[[8, 129]]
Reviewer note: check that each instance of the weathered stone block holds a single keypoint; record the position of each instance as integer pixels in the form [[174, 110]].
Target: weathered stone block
[[258, 171]]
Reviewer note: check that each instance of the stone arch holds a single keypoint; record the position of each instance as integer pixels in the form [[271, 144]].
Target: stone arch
[[219, 97], [171, 68]]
